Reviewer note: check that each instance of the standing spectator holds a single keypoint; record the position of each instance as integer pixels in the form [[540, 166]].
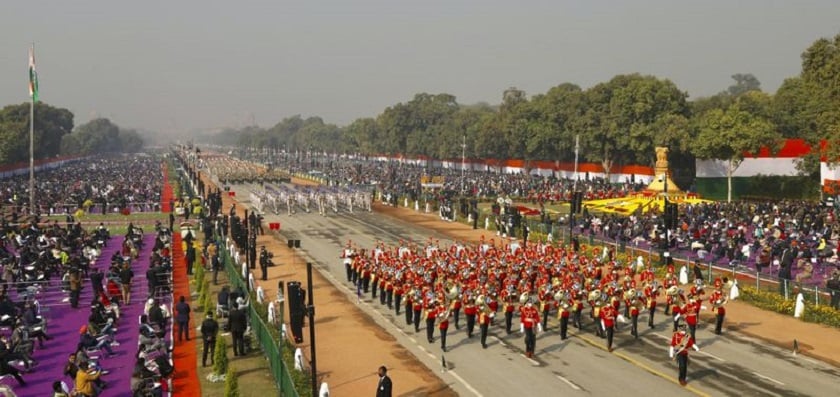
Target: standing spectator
[[190, 257], [75, 287], [182, 316], [126, 275], [237, 322], [833, 285], [96, 278], [209, 329], [383, 389]]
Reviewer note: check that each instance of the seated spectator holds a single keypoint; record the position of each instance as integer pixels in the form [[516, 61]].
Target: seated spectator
[[88, 341], [19, 348], [5, 369], [60, 389], [86, 381]]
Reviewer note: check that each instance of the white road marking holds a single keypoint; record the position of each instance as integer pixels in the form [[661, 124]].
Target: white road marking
[[532, 361], [463, 382], [422, 349], [501, 342], [412, 340], [768, 378], [711, 355], [568, 382]]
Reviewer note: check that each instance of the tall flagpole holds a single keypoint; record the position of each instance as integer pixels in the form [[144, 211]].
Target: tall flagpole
[[32, 145]]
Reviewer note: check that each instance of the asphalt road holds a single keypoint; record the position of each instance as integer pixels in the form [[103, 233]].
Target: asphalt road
[[730, 365]]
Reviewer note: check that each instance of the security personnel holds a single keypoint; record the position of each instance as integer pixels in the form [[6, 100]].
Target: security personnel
[[264, 261], [681, 341], [209, 329]]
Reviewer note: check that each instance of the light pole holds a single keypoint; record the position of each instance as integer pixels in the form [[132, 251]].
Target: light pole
[[463, 162]]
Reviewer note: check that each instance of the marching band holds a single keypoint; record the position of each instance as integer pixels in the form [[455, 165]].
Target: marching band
[[533, 281]]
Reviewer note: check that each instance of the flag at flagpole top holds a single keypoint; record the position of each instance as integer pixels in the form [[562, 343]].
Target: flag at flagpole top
[[33, 76]]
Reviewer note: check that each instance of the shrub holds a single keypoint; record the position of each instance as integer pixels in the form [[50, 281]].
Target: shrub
[[231, 383], [220, 359]]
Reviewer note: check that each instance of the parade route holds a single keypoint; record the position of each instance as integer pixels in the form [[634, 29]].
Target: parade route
[[733, 364]]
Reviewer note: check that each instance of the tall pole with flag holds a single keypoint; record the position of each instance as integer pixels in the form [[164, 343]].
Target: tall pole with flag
[[33, 97]]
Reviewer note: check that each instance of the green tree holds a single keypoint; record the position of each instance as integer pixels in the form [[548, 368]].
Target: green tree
[[231, 383], [728, 134], [220, 358], [744, 82], [622, 117], [51, 125]]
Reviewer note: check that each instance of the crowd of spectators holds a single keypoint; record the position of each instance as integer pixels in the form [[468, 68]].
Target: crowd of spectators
[[103, 185]]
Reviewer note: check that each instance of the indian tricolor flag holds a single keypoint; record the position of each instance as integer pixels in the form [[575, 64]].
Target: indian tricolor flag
[[711, 174], [33, 76]]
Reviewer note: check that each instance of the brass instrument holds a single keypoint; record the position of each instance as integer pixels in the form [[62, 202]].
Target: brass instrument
[[681, 346], [523, 298], [629, 294], [452, 290], [672, 291]]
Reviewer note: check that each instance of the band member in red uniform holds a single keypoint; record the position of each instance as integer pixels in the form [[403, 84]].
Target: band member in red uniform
[[717, 299], [431, 315], [530, 317], [509, 307], [651, 293], [398, 294], [608, 314], [456, 312], [484, 317], [680, 343], [417, 303], [691, 310], [470, 311], [442, 314], [563, 311]]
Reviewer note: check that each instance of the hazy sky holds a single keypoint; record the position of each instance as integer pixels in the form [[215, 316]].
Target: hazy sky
[[181, 65]]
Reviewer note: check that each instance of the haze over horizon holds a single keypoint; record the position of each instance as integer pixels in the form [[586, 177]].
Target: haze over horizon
[[177, 67]]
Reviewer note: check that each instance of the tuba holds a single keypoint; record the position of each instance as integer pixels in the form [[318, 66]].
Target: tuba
[[481, 300], [594, 295], [672, 291], [523, 298], [452, 290], [629, 294]]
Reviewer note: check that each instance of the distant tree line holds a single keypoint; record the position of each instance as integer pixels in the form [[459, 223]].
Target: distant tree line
[[619, 121], [54, 134]]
